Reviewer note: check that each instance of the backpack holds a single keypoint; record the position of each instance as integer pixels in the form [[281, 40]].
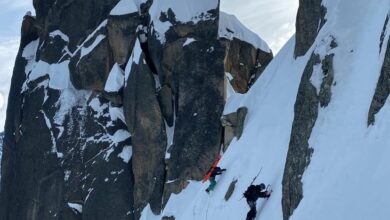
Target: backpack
[[250, 191]]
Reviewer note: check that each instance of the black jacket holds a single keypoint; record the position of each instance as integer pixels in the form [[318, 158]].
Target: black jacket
[[217, 171], [254, 192]]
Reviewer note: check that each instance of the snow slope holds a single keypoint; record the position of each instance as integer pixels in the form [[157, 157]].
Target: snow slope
[[348, 173], [348, 177], [266, 136]]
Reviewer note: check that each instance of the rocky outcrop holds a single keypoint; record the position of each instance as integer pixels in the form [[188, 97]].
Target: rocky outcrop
[[299, 153], [65, 154], [199, 102], [122, 35], [310, 19], [245, 63], [382, 89], [189, 59], [246, 54], [325, 91], [149, 140], [29, 31], [233, 124], [315, 90]]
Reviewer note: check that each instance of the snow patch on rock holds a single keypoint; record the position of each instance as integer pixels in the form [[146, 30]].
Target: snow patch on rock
[[134, 58], [60, 76], [95, 43], [86, 50], [317, 77], [116, 79], [76, 207], [60, 34], [117, 114], [120, 136], [188, 41], [126, 154], [30, 50]]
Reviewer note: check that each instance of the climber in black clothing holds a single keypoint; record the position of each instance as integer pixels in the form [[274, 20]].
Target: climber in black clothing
[[217, 171], [252, 194]]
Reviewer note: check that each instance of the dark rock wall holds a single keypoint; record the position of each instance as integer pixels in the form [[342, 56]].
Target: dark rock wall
[[299, 153], [149, 140], [310, 97], [310, 19], [195, 75], [200, 102], [11, 158], [309, 100]]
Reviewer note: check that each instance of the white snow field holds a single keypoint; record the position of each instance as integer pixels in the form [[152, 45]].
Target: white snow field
[[349, 174]]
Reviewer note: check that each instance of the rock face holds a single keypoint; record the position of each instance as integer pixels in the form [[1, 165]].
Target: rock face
[[245, 63], [189, 61], [149, 140], [383, 86], [66, 152], [118, 101], [246, 54], [310, 19], [122, 35], [298, 157], [90, 71], [315, 90]]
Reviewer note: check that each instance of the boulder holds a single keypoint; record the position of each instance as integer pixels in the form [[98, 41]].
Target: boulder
[[233, 124], [230, 190]]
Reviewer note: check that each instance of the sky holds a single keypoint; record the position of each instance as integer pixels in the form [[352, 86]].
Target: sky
[[272, 20]]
